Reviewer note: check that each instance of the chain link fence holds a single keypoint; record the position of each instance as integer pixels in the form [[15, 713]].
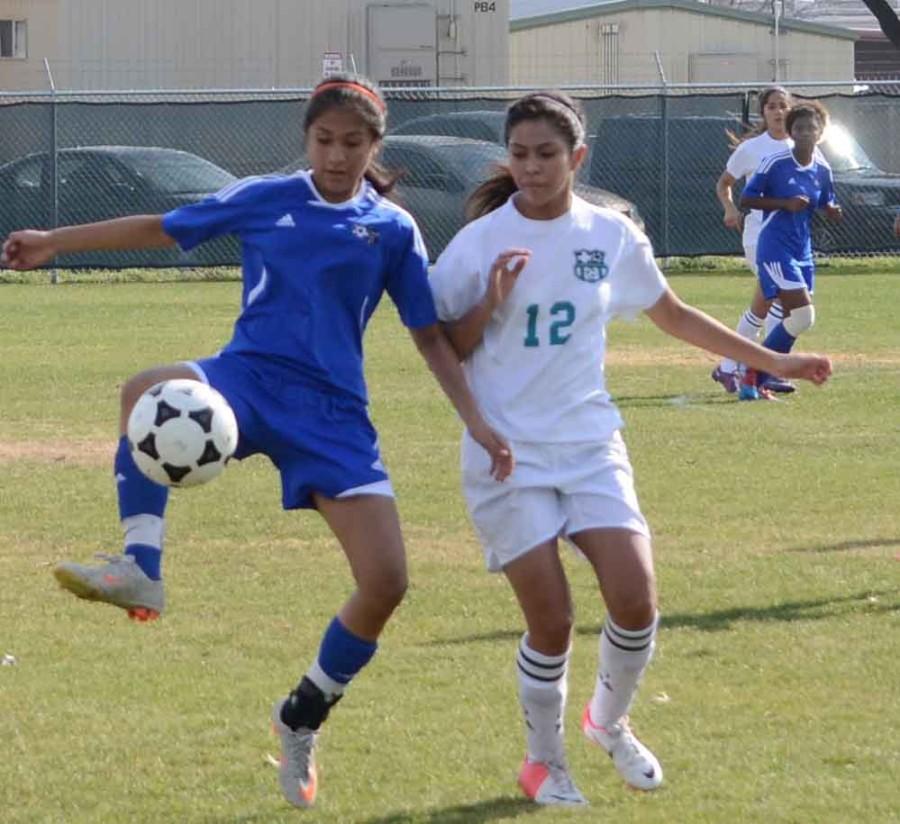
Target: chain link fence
[[655, 153]]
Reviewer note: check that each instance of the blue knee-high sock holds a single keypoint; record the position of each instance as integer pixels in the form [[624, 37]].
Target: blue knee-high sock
[[778, 340], [142, 505], [341, 656]]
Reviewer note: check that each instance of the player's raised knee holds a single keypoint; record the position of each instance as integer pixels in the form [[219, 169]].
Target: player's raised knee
[[800, 320]]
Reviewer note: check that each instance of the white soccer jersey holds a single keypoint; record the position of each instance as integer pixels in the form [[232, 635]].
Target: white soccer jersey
[[538, 372], [744, 161]]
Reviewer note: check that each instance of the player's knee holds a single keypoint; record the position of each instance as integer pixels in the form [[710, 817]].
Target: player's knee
[[634, 611], [800, 320], [386, 590], [552, 631]]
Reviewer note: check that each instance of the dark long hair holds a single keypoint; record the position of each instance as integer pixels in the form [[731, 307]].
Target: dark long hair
[[362, 96], [562, 112], [755, 131]]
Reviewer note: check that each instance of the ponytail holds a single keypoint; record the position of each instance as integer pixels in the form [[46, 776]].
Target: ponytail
[[491, 194]]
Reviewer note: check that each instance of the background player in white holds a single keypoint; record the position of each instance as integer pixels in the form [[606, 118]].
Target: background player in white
[[766, 139], [525, 292], [789, 187], [319, 249]]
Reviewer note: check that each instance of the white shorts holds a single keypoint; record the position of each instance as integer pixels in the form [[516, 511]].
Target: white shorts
[[750, 257], [555, 490]]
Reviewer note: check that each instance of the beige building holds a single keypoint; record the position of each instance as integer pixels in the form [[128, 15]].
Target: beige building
[[637, 41], [239, 44]]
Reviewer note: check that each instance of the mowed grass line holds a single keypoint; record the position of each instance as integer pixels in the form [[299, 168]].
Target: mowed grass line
[[772, 697]]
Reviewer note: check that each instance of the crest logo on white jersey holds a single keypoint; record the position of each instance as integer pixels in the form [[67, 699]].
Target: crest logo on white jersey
[[286, 221], [590, 265]]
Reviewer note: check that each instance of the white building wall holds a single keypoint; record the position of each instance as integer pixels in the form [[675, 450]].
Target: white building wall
[[142, 44], [692, 48]]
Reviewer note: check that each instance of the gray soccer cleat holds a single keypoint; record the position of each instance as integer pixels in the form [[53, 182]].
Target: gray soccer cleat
[[297, 770], [120, 582]]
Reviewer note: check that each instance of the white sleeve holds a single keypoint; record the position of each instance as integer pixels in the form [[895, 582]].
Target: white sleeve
[[637, 282], [456, 279], [741, 163]]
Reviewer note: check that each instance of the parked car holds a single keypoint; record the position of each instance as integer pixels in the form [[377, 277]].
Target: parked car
[[869, 196], [675, 190], [478, 125], [485, 124], [101, 182], [440, 172]]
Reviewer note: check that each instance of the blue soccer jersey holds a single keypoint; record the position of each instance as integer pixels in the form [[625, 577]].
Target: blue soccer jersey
[[313, 273], [786, 234]]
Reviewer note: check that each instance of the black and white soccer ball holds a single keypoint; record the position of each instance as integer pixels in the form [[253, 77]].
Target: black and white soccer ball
[[182, 433]]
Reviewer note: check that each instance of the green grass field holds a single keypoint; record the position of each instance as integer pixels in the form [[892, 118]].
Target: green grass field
[[773, 697]]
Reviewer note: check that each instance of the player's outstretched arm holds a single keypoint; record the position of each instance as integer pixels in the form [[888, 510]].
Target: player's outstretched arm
[[29, 248], [443, 362], [676, 318]]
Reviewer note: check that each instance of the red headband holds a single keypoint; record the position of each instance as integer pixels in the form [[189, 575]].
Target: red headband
[[357, 87]]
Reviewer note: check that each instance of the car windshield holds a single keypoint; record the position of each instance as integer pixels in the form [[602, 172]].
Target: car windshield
[[178, 172], [842, 151], [471, 161]]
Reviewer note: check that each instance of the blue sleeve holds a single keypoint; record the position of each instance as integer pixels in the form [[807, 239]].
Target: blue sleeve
[[223, 213], [826, 196], [407, 279], [756, 186]]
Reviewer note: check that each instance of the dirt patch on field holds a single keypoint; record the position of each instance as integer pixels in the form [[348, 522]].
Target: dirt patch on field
[[83, 452]]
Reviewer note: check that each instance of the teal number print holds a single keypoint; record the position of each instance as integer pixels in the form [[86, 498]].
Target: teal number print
[[567, 310], [531, 338], [564, 314]]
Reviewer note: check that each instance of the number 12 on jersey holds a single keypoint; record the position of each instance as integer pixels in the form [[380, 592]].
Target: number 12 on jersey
[[562, 315]]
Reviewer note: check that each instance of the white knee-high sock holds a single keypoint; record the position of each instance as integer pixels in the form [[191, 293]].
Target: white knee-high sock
[[748, 327], [542, 694], [774, 317], [624, 655]]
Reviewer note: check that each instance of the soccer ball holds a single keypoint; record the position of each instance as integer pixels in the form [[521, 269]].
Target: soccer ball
[[182, 433]]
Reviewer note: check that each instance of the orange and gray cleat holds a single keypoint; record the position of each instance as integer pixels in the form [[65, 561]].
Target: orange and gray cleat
[[119, 581], [549, 784], [297, 770]]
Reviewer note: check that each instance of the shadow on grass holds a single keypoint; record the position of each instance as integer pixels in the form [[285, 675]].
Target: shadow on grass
[[480, 811], [721, 620], [641, 401], [844, 546]]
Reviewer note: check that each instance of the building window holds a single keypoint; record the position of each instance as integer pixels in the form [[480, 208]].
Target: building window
[[609, 53], [13, 38]]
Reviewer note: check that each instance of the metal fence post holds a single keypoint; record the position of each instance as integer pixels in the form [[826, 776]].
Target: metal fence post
[[54, 166]]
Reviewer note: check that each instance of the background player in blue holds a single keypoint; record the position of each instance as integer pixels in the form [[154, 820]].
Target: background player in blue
[[319, 248], [789, 186], [769, 137]]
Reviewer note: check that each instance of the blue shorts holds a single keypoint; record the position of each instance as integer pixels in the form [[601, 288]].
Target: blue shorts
[[777, 274], [319, 442]]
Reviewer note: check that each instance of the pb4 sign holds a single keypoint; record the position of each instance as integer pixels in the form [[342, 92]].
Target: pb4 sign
[[480, 5]]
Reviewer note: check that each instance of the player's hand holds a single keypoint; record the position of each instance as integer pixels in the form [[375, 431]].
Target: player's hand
[[815, 368], [834, 213], [27, 249], [502, 460], [504, 272], [797, 203], [734, 218]]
